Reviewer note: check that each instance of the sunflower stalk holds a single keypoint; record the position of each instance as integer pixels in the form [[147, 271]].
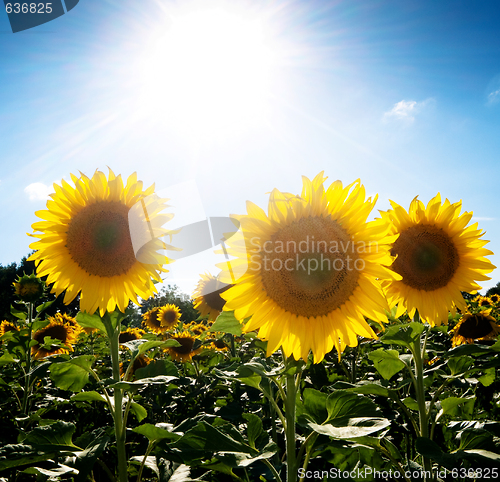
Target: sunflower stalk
[[117, 412], [27, 385], [418, 357]]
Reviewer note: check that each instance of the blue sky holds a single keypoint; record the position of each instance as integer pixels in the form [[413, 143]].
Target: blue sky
[[403, 95]]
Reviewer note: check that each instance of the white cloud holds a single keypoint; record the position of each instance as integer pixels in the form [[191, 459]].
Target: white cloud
[[476, 218], [405, 110], [38, 191], [494, 97]]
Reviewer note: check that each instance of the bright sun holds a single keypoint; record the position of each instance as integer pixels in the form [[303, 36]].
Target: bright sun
[[209, 72]]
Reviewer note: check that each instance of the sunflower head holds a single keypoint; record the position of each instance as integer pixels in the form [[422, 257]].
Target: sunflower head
[[150, 320], [219, 345], [29, 288], [131, 334], [186, 351], [140, 361], [437, 257], [495, 299], [101, 238], [314, 265], [207, 296], [7, 326], [59, 331], [475, 326], [168, 316], [483, 301]]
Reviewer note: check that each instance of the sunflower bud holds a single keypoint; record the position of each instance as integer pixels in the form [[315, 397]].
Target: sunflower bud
[[29, 288]]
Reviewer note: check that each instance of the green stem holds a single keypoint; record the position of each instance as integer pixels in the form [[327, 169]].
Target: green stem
[[24, 407], [272, 469], [307, 445], [120, 428], [420, 393], [148, 451], [291, 468]]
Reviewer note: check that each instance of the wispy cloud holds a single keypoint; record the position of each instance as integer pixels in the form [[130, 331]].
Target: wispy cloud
[[494, 97], [38, 191], [477, 218], [405, 110]]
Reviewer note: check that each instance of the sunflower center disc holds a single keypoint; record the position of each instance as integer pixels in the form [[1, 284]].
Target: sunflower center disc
[[169, 316], [310, 267], [427, 258], [98, 239], [186, 345], [474, 327]]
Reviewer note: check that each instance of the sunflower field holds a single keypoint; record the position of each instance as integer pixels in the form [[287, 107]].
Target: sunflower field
[[324, 347]]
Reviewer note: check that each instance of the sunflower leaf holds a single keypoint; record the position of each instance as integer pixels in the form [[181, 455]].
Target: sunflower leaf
[[88, 397], [227, 323], [156, 432], [402, 335], [85, 320], [73, 374], [139, 411], [387, 362], [356, 427]]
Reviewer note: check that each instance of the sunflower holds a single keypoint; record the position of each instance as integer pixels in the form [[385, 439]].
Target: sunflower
[[141, 361], [313, 269], [207, 299], [131, 334], [437, 257], [66, 319], [169, 316], [151, 321], [197, 328], [479, 326], [186, 351], [7, 326], [219, 345], [90, 239], [483, 301], [494, 298], [29, 288], [59, 331]]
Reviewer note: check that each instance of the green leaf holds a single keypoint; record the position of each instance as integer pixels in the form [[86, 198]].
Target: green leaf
[[54, 437], [7, 358], [356, 427], [460, 364], [370, 388], [56, 472], [474, 438], [156, 432], [139, 411], [86, 459], [19, 454], [73, 374], [313, 407], [458, 407], [88, 397], [386, 362], [411, 403], [18, 313], [342, 405], [486, 380], [205, 438], [227, 323], [44, 306], [402, 335], [431, 450], [254, 428], [113, 318], [85, 320], [472, 349], [157, 368], [143, 381]]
